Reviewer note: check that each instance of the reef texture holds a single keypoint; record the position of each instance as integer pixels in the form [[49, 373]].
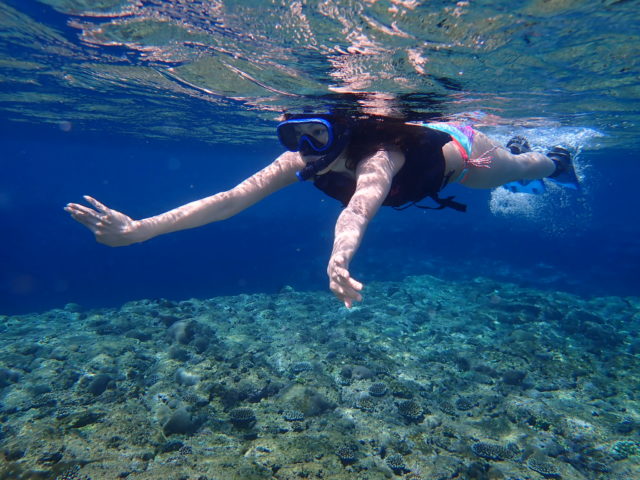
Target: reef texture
[[426, 379]]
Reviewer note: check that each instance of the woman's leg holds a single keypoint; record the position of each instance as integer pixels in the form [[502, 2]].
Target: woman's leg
[[503, 167]]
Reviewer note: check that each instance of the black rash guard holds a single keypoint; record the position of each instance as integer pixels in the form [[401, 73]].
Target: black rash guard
[[422, 174]]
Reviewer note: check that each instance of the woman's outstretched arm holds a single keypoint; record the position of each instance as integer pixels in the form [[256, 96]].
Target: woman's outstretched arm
[[373, 181], [116, 229]]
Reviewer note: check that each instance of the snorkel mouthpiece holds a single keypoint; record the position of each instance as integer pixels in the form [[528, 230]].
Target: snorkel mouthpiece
[[313, 135], [314, 167]]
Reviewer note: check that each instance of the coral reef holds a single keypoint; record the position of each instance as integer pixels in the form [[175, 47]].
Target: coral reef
[[347, 454], [426, 379], [378, 389], [242, 417], [410, 410], [491, 451], [72, 474], [293, 415], [396, 463], [546, 469]]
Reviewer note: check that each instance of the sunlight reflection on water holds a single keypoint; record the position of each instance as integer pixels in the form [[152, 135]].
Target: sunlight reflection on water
[[242, 62]]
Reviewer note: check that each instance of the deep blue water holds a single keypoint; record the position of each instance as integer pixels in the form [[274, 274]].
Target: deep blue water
[[49, 260], [154, 93]]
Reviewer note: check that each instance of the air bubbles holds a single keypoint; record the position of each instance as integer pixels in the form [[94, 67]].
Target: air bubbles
[[504, 202], [544, 137]]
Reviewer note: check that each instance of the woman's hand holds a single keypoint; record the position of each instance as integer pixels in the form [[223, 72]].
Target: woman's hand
[[110, 227], [341, 284]]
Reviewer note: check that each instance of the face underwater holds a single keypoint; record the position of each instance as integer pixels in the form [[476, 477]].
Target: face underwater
[[308, 136]]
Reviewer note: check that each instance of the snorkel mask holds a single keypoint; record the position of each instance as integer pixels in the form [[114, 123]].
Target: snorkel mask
[[313, 135], [308, 136]]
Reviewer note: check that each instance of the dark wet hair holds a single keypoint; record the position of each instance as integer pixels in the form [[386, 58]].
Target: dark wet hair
[[371, 134], [367, 134]]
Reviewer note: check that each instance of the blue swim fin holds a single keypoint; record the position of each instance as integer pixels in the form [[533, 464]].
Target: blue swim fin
[[526, 186], [564, 174]]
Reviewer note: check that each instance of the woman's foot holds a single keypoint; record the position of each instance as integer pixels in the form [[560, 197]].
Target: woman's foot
[[565, 173], [518, 145]]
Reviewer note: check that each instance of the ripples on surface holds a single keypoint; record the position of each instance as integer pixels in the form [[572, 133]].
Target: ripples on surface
[[166, 68]]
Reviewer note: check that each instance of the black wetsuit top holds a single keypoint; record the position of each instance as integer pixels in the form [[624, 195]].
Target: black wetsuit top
[[422, 174]]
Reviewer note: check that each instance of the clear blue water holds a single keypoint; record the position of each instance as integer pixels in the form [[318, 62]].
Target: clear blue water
[[467, 359], [148, 105]]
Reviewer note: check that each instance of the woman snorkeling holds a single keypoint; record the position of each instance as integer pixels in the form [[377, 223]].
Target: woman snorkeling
[[364, 163]]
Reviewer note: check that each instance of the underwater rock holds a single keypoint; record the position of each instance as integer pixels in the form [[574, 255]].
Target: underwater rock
[[300, 367], [181, 422], [102, 326], [514, 377], [40, 389], [626, 426], [14, 453], [49, 458], [59, 353], [634, 347], [365, 403], [73, 474], [99, 383], [82, 419], [486, 370], [293, 415], [168, 320], [464, 404], [138, 335], [185, 378], [402, 389], [202, 343], [8, 377], [592, 327], [178, 353], [360, 372], [346, 373], [308, 400], [447, 407], [253, 393], [170, 446], [625, 449], [73, 307], [228, 396], [463, 364], [547, 443], [576, 318], [182, 332]]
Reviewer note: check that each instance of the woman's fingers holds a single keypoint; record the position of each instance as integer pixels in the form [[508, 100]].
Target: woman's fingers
[[346, 288], [356, 285], [80, 210], [110, 227], [97, 205], [86, 216]]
